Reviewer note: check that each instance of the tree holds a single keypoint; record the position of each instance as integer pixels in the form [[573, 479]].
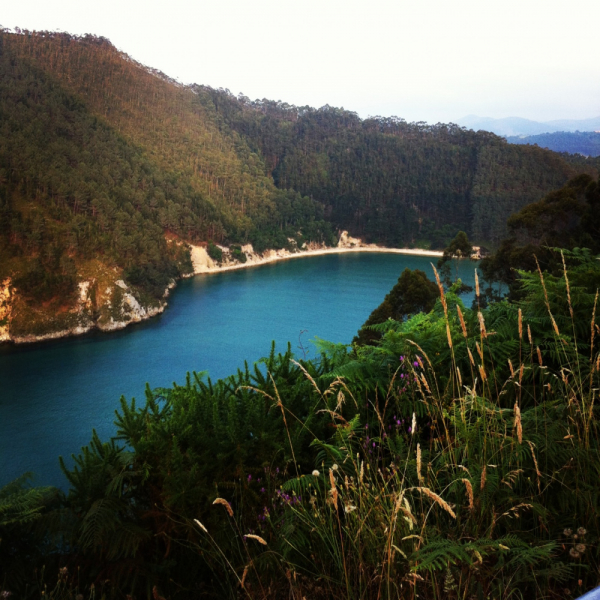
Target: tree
[[413, 293]]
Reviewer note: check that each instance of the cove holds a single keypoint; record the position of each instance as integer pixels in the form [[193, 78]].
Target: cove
[[54, 393]]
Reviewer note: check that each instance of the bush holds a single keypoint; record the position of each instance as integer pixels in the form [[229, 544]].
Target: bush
[[215, 252]]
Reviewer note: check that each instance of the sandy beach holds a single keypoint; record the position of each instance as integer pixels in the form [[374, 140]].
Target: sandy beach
[[203, 264]]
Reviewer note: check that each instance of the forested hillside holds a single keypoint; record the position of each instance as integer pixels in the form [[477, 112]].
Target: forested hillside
[[391, 181], [107, 169]]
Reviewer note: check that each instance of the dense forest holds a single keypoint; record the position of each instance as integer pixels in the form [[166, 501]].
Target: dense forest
[[106, 167], [455, 455], [586, 143], [394, 182]]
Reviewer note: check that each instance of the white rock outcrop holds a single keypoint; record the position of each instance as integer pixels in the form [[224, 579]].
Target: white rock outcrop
[[5, 309]]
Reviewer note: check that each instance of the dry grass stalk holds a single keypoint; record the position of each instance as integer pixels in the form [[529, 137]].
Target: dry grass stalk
[[476, 284], [414, 424], [419, 463], [245, 574], [201, 526], [226, 504], [539, 355], [567, 284], [471, 356], [555, 326], [482, 373], [510, 366], [333, 491], [520, 324], [449, 335], [479, 350], [459, 376], [441, 288], [483, 477], [529, 335], [425, 383], [462, 321], [518, 424], [543, 283], [469, 492], [521, 370], [537, 469], [362, 472], [593, 323], [438, 499], [482, 324], [260, 540]]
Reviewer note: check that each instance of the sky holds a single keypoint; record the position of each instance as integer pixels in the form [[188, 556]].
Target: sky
[[422, 60]]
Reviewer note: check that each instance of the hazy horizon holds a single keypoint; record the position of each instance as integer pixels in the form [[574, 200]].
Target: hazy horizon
[[430, 61]]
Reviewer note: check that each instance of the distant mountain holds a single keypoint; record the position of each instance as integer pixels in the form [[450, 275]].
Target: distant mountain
[[578, 142], [510, 126]]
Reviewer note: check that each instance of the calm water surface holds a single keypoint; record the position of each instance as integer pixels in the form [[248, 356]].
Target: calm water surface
[[53, 394]]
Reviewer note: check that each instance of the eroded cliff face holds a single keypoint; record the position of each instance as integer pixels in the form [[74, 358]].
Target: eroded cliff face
[[5, 309], [105, 302], [98, 305]]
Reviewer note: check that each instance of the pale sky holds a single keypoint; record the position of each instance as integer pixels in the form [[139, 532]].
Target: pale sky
[[423, 60]]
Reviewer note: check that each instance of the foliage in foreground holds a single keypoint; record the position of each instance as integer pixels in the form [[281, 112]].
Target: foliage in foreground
[[457, 458]]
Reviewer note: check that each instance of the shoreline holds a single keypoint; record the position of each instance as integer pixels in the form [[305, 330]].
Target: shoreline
[[204, 265]]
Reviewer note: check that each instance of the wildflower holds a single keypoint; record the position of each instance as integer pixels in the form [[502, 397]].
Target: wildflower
[[373, 444], [263, 490], [349, 508], [415, 364], [401, 358], [574, 553], [366, 426], [249, 478], [335, 467], [580, 548], [315, 473], [401, 375], [567, 532], [582, 531]]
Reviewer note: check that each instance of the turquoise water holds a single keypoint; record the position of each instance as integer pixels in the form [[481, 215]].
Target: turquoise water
[[54, 393]]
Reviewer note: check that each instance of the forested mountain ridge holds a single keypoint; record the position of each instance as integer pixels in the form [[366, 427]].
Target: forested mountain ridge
[[580, 142], [109, 169], [391, 181]]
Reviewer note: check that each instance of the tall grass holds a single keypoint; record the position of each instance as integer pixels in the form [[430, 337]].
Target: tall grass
[[487, 487]]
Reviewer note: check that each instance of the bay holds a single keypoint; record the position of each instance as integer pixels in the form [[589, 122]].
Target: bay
[[52, 394]]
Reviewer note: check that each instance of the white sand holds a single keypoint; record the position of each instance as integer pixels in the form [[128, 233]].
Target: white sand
[[202, 265]]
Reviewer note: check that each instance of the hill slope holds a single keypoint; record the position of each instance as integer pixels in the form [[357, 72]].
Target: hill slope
[[391, 181]]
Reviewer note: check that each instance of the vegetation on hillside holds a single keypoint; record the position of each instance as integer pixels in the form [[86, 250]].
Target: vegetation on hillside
[[391, 181], [102, 159], [568, 217]]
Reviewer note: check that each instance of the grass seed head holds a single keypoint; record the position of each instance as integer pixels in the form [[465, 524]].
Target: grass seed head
[[438, 499], [469, 492], [226, 504], [518, 424], [260, 540]]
